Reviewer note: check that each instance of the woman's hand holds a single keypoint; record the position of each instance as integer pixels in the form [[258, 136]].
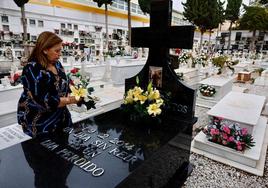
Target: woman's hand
[[72, 100]]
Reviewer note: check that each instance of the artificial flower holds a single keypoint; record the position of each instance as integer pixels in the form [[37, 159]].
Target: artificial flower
[[77, 93], [154, 110]]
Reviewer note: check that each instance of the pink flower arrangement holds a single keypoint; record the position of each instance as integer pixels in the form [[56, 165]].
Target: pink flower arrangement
[[228, 135]]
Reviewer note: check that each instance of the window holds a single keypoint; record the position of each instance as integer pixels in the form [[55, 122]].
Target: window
[[32, 22], [238, 36], [62, 25], [34, 38], [4, 19], [69, 26], [40, 23], [5, 27], [76, 40], [75, 27]]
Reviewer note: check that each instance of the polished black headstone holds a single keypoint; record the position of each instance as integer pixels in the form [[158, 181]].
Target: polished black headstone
[[159, 37], [102, 152]]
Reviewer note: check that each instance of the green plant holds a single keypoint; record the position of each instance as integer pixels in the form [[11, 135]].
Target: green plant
[[259, 70], [223, 61]]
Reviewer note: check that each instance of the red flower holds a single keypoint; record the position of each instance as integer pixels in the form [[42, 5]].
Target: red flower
[[231, 139], [16, 77], [74, 70], [226, 129], [244, 131]]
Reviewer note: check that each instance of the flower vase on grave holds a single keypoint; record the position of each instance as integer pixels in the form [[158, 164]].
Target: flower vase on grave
[[189, 62]]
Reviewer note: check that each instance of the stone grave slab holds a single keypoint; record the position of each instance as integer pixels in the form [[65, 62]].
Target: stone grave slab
[[251, 161], [241, 108], [124, 70], [190, 75], [12, 135], [241, 67], [8, 93], [8, 112], [244, 109], [223, 85]]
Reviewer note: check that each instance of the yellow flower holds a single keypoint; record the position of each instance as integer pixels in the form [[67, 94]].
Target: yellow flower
[[154, 94], [142, 98], [153, 109], [77, 93], [128, 99], [159, 102], [137, 91]]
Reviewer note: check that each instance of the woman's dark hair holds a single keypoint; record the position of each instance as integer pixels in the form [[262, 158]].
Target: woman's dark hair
[[45, 41]]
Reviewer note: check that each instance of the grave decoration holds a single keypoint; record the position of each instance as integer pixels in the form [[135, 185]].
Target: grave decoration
[[201, 59], [229, 135], [184, 57], [81, 90], [207, 90], [16, 79], [223, 62], [145, 104]]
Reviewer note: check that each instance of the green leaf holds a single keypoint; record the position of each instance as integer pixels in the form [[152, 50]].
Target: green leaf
[[149, 87], [137, 80]]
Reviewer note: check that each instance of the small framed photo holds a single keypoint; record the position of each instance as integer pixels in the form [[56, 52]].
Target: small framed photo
[[155, 76]]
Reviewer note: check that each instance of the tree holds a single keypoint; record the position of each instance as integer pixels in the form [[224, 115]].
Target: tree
[[145, 6], [232, 13], [129, 21], [105, 3], [197, 12], [216, 15], [21, 3], [255, 18]]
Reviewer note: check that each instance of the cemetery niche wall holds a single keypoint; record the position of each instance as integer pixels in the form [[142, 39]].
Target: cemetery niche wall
[[106, 151]]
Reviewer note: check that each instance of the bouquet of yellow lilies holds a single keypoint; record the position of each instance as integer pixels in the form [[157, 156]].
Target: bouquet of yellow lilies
[[141, 104], [80, 89]]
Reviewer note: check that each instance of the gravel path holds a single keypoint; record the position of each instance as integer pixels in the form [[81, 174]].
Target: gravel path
[[208, 173]]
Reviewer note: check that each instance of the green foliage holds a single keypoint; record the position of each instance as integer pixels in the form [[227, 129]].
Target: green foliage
[[216, 15], [232, 11], [197, 12], [103, 2], [145, 6], [223, 61], [255, 18], [219, 61]]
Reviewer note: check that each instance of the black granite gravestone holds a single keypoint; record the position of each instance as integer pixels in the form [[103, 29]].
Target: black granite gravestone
[[159, 37], [106, 152]]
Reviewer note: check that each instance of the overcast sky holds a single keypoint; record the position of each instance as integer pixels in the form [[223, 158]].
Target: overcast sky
[[178, 6]]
